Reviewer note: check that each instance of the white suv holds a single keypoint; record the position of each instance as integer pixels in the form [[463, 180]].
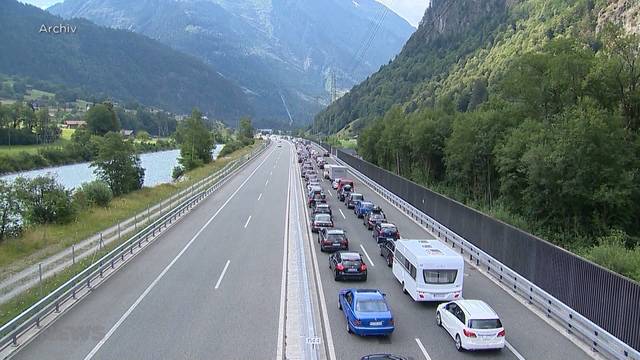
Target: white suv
[[472, 323]]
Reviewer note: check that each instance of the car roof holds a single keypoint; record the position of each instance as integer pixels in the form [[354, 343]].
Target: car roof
[[367, 294], [366, 203], [322, 205], [335, 232], [387, 225], [477, 309], [316, 188], [349, 255]]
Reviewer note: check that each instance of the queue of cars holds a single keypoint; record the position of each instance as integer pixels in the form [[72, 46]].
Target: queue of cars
[[427, 269]]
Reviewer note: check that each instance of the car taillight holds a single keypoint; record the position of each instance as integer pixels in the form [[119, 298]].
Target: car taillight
[[346, 242], [469, 333], [340, 267], [331, 224], [363, 267], [391, 322], [357, 322], [502, 333]]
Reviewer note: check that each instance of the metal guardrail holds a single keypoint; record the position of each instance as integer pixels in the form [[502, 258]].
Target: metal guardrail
[[597, 338], [59, 298]]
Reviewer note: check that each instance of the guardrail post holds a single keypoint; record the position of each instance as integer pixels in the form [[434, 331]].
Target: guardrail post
[[40, 275], [135, 221], [119, 234], [73, 254], [101, 244]]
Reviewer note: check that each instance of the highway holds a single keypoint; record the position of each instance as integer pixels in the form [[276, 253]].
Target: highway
[[529, 336], [211, 287], [208, 289]]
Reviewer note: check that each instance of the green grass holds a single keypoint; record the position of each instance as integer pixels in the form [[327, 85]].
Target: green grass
[[49, 239], [66, 134], [349, 143], [38, 94], [31, 149]]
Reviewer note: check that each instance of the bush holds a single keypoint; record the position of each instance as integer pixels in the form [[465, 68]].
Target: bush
[[178, 171], [230, 147], [44, 201], [97, 193], [612, 254]]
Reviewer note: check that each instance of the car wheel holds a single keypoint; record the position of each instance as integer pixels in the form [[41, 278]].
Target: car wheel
[[336, 276], [404, 289], [459, 343], [438, 319], [364, 278], [339, 305], [349, 327], [389, 261]]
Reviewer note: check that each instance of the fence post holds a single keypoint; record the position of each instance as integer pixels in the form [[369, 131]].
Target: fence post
[[101, 244], [119, 234], [73, 254], [40, 274]]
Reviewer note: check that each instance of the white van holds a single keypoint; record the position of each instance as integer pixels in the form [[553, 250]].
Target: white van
[[337, 171], [428, 270]]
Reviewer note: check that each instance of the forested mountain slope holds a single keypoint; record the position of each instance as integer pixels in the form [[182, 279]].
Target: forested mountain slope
[[528, 110], [116, 63]]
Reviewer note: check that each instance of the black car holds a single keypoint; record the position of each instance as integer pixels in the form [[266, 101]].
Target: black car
[[387, 247], [350, 201], [384, 231], [348, 265], [374, 217], [332, 239]]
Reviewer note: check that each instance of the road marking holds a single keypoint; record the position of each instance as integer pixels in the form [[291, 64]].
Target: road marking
[[247, 223], [365, 252], [514, 351], [330, 193], [124, 317], [424, 351], [341, 213], [267, 183], [224, 271], [260, 197], [283, 284], [271, 173]]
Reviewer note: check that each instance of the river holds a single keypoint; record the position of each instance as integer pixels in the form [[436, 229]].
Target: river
[[158, 169]]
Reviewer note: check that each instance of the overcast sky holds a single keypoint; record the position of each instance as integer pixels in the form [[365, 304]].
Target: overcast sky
[[412, 10]]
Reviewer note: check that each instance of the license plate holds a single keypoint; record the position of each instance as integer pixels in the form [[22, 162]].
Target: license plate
[[376, 323], [336, 244], [390, 239], [439, 295], [352, 270]]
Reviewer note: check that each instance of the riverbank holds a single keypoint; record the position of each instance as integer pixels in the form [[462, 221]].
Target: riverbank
[[14, 160], [42, 241]]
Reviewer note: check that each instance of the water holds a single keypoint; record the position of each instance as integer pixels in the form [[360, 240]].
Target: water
[[158, 169]]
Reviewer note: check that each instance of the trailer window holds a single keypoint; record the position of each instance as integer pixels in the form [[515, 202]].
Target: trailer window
[[440, 276]]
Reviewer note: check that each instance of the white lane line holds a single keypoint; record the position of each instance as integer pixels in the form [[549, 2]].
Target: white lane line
[[424, 351], [271, 173], [267, 183], [124, 317], [341, 213], [514, 351], [365, 252], [260, 197], [224, 271], [330, 193], [247, 223], [283, 283]]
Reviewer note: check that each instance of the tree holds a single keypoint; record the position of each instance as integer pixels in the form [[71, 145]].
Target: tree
[[245, 132], [195, 140], [143, 136], [44, 201], [10, 223], [97, 193], [117, 164], [102, 119]]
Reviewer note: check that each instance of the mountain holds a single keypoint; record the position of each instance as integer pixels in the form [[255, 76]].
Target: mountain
[[279, 51], [114, 63]]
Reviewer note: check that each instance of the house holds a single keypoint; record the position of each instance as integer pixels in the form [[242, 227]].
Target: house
[[126, 132], [74, 124]]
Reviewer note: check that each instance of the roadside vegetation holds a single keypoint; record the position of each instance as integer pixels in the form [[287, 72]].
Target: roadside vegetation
[[552, 146]]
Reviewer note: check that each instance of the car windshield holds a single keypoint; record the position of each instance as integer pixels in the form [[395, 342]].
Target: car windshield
[[323, 217], [485, 324], [440, 276], [355, 197], [371, 306], [389, 230], [347, 262]]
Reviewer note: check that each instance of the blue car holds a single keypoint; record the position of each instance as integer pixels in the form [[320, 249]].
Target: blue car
[[366, 312], [362, 208]]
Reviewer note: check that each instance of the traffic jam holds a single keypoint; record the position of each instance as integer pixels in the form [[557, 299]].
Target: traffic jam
[[427, 270]]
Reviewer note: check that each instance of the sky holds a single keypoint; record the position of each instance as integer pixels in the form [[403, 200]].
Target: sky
[[411, 10]]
